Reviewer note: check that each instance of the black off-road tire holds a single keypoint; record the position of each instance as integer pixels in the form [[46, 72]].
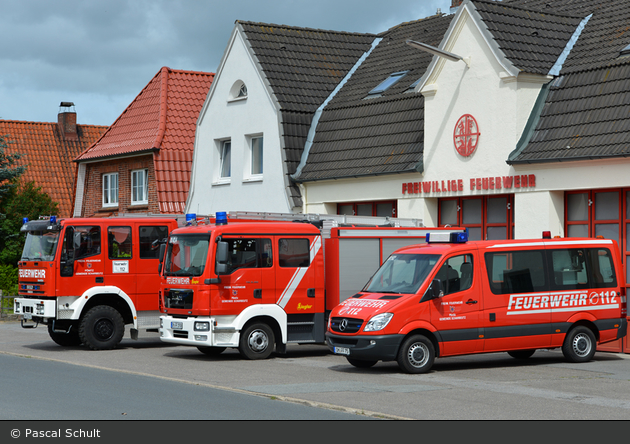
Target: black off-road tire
[[361, 363], [579, 345], [416, 354], [211, 351], [521, 354], [257, 341], [102, 328], [69, 339]]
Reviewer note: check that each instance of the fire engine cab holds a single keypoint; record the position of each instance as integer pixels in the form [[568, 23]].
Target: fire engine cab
[[85, 278], [450, 297], [257, 282]]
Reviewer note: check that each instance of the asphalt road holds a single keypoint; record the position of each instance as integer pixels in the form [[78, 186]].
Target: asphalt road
[[481, 387]]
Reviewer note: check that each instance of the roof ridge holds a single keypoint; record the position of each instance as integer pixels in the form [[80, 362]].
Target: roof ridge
[[521, 8], [411, 22], [331, 31], [31, 122]]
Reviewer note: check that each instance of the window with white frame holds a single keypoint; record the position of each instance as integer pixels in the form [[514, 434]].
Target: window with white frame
[[110, 190], [139, 187], [225, 154], [256, 145]]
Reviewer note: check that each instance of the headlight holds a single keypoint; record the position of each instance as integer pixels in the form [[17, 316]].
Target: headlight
[[202, 326], [378, 322]]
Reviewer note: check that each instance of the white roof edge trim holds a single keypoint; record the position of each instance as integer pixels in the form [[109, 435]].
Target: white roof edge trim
[[469, 8], [313, 129], [553, 243], [555, 69]]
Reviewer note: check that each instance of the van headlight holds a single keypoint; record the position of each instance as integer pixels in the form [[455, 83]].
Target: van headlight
[[378, 322]]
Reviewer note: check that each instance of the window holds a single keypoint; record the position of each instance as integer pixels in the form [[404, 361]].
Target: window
[[186, 255], [402, 273], [238, 91], [486, 217], [294, 253], [119, 242], [257, 155], [224, 159], [456, 274], [110, 190], [148, 235], [381, 208], [516, 271], [249, 253], [139, 187], [575, 269], [387, 83]]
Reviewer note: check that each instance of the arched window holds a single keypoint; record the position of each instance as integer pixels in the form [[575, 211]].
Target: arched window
[[238, 91]]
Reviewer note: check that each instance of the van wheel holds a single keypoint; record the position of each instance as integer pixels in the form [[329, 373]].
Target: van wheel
[[211, 351], [579, 345], [416, 354], [361, 363], [102, 328], [256, 342], [69, 339], [521, 354]]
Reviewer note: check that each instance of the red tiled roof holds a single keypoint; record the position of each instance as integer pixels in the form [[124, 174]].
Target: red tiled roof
[[48, 156], [161, 119]]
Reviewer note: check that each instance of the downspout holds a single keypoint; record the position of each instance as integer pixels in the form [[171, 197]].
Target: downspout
[[313, 129]]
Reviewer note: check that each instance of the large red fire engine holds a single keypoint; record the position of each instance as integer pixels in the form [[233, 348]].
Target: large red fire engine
[[258, 286], [86, 278], [452, 297]]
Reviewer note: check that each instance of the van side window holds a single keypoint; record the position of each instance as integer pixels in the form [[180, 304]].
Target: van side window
[[119, 242], [516, 271], [294, 253], [456, 273], [147, 236], [579, 268], [249, 253]]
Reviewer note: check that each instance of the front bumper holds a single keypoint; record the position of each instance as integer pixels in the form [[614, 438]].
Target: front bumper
[[187, 331], [379, 348]]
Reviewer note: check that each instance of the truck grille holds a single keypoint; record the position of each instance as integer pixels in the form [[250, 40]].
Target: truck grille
[[349, 326], [179, 299]]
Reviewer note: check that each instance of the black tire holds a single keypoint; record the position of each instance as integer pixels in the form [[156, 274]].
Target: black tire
[[69, 339], [416, 354], [102, 328], [579, 345], [521, 354], [257, 342], [361, 363], [211, 351]]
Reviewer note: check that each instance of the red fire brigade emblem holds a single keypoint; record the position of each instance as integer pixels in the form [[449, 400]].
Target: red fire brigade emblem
[[466, 135]]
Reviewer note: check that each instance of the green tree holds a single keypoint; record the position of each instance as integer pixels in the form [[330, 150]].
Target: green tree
[[25, 200], [10, 171]]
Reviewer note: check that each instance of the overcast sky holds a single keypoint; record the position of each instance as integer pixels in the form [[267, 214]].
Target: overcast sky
[[99, 54]]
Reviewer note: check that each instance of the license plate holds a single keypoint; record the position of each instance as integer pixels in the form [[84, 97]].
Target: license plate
[[342, 351], [177, 325]]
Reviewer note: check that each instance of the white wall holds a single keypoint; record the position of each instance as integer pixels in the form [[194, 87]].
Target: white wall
[[221, 119]]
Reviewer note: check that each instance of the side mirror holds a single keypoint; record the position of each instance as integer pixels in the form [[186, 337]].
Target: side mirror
[[161, 253], [434, 291], [221, 258]]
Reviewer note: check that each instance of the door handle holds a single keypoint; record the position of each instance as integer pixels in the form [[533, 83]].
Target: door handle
[[470, 302], [258, 293]]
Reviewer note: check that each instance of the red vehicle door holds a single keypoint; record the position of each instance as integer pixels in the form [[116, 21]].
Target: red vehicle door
[[456, 315], [82, 260]]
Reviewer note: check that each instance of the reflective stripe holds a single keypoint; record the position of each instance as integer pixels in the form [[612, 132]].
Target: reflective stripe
[[296, 279]]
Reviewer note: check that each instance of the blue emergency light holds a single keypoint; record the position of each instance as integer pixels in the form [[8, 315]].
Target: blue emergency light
[[451, 237], [221, 218], [190, 218]]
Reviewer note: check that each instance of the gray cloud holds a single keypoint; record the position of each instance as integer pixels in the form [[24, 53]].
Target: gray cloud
[[100, 54]]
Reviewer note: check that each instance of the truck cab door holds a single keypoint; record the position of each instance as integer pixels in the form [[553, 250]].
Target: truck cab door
[[81, 264], [457, 313], [295, 274]]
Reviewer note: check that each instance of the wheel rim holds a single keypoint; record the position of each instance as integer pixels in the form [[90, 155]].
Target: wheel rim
[[418, 355], [582, 345], [258, 341], [103, 329]]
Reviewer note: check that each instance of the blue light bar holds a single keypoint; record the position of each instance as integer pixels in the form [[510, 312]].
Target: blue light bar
[[190, 218], [449, 237]]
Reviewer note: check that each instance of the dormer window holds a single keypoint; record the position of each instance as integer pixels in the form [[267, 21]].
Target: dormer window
[[387, 83], [238, 91]]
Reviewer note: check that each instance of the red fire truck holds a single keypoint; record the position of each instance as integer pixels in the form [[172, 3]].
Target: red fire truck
[[87, 278], [452, 297], [258, 286]]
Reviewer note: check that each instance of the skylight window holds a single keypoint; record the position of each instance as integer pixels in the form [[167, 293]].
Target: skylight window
[[625, 51], [387, 83]]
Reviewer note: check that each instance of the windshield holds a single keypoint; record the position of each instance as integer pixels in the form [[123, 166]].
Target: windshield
[[186, 255], [40, 246], [402, 273]]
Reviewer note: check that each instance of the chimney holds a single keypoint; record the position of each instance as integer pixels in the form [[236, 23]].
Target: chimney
[[454, 5], [67, 121]]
